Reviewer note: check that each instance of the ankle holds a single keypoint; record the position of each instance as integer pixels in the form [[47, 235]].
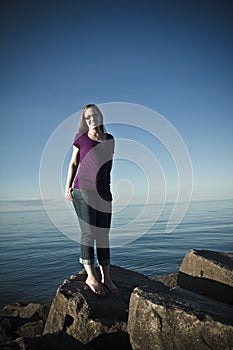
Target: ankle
[[105, 279], [91, 278]]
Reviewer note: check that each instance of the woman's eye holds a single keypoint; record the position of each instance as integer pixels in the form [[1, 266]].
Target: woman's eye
[[93, 116]]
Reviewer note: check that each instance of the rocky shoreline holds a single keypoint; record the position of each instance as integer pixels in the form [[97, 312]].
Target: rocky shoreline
[[192, 309]]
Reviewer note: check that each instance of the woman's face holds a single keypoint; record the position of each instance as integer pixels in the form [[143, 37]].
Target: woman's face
[[92, 118]]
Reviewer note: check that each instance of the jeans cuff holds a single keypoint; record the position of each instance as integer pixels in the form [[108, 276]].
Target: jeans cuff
[[86, 261]]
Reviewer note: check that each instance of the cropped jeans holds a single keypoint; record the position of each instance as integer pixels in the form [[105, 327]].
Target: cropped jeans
[[94, 214]]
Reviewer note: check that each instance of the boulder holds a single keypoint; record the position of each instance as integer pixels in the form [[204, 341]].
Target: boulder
[[88, 317], [163, 318], [209, 273]]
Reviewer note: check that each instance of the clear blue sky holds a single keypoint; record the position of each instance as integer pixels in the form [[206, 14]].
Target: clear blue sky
[[172, 56]]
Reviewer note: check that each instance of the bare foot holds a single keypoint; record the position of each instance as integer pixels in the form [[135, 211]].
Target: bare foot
[[95, 286], [110, 285]]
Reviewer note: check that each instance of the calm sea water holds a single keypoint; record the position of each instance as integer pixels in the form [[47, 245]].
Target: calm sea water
[[36, 257]]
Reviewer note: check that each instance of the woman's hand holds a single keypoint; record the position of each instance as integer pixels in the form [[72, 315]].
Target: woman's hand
[[68, 194]]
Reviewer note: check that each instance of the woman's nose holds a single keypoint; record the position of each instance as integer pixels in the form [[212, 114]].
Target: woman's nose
[[93, 118]]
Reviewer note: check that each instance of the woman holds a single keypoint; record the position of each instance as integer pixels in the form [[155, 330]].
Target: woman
[[89, 189]]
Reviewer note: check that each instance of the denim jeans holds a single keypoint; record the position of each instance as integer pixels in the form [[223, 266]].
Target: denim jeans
[[94, 214]]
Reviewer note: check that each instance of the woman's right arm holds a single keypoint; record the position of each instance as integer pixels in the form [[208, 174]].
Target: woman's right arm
[[72, 169]]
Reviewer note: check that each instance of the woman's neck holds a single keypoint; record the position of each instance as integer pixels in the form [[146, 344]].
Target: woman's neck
[[97, 135], [95, 131]]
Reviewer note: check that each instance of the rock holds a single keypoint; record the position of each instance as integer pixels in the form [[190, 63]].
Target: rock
[[8, 329], [24, 311], [86, 316], [161, 318], [59, 341], [31, 329], [168, 280], [208, 273], [6, 332], [30, 310], [21, 320], [157, 314], [5, 312]]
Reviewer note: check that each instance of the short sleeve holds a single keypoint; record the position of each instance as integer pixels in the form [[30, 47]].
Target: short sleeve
[[76, 142]]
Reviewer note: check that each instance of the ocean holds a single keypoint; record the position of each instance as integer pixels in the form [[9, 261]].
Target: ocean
[[36, 257]]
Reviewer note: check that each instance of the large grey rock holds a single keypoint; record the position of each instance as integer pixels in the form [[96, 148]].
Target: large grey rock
[[86, 316], [161, 318], [208, 273]]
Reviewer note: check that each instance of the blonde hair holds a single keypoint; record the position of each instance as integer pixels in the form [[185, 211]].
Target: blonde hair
[[82, 123]]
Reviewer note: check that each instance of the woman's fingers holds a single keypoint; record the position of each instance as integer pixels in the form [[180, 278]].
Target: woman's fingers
[[68, 196]]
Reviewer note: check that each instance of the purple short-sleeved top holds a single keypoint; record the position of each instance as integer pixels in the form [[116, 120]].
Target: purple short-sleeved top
[[95, 163]]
